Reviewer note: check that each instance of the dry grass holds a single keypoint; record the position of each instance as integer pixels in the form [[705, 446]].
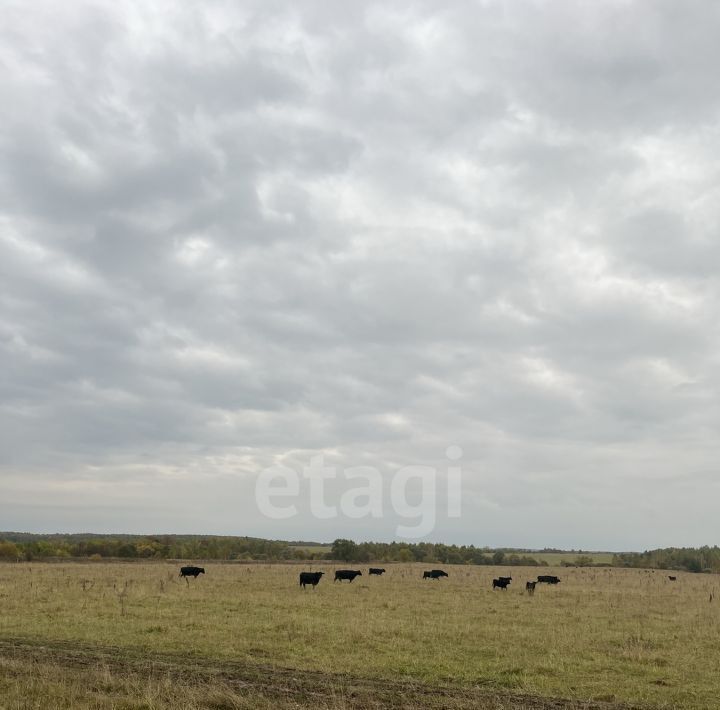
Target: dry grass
[[615, 635], [48, 686], [557, 558]]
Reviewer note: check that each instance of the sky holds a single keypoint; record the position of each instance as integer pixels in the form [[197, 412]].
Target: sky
[[246, 236]]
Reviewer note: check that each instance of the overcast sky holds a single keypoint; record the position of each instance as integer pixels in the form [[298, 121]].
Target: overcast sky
[[234, 235]]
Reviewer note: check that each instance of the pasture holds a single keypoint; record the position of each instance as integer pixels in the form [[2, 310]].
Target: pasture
[[134, 635], [557, 558]]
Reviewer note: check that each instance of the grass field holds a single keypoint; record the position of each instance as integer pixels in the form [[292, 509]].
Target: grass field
[[135, 636], [314, 549], [552, 558], [557, 558]]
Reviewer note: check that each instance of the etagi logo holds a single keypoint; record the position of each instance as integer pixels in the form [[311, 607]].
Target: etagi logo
[[367, 498]]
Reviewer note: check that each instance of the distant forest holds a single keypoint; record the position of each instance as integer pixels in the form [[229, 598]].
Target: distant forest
[[28, 547], [688, 559]]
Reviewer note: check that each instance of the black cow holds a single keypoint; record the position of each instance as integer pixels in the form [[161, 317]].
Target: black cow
[[501, 583], [310, 578], [548, 579], [376, 570], [672, 579], [507, 579], [434, 574], [530, 587], [191, 571], [348, 574]]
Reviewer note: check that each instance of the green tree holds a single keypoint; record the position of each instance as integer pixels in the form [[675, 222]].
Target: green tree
[[344, 550], [9, 550], [405, 555]]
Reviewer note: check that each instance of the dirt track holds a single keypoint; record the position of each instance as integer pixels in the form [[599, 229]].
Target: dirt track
[[306, 688]]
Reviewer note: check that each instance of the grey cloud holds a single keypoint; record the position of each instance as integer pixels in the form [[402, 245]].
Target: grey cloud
[[238, 235]]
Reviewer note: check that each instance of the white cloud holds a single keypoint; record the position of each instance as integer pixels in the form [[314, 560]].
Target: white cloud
[[241, 235]]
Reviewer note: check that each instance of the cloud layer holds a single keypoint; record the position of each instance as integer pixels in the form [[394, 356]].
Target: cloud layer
[[238, 235]]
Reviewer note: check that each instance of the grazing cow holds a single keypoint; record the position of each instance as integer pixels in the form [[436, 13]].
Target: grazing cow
[[434, 574], [348, 574], [530, 587], [501, 583], [191, 571], [548, 579], [310, 578], [672, 579], [376, 570]]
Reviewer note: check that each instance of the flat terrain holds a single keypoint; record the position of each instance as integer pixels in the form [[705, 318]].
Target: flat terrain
[[557, 558], [315, 549], [135, 636]]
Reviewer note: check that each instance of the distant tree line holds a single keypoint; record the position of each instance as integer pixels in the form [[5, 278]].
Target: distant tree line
[[349, 551], [25, 546], [34, 547], [688, 559]]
